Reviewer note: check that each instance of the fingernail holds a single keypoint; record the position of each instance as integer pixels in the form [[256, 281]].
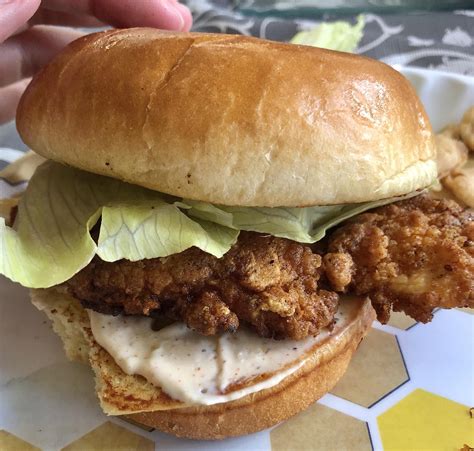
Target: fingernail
[[174, 18]]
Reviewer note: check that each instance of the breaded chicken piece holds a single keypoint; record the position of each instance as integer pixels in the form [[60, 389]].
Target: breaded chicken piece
[[412, 256], [271, 284]]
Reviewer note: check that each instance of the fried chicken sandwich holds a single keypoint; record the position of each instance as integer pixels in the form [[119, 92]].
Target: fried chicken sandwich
[[221, 218]]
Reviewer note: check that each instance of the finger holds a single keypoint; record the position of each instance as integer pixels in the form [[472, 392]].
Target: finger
[[48, 17], [22, 55], [10, 96], [166, 14], [14, 14], [186, 14]]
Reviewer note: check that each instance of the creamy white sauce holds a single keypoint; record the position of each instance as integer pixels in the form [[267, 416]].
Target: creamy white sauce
[[205, 370]]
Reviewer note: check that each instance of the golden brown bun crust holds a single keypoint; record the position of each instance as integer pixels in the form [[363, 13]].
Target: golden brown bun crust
[[120, 393], [230, 119]]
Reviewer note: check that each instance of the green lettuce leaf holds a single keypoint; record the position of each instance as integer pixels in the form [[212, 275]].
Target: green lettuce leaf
[[339, 35], [305, 225], [50, 241], [155, 229]]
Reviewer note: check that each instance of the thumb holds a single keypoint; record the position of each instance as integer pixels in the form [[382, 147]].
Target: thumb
[[14, 14]]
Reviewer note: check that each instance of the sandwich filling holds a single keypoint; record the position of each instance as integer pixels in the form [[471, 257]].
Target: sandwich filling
[[413, 255], [123, 249], [173, 283]]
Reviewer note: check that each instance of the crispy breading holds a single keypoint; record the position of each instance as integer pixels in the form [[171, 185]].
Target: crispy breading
[[466, 128], [461, 184], [412, 256], [451, 131], [450, 154], [271, 284]]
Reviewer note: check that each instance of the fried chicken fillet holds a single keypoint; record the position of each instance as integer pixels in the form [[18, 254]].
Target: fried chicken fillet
[[411, 256], [272, 284], [414, 255]]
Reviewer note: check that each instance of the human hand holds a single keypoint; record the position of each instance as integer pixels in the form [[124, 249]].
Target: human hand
[[30, 35]]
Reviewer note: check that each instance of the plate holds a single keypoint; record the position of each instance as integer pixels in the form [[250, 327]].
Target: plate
[[50, 402], [445, 96]]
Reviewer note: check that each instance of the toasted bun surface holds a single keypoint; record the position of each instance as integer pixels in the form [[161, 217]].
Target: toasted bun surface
[[120, 393], [230, 119]]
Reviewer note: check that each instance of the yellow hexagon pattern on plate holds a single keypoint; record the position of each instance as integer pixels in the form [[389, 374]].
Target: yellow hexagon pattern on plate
[[423, 420], [10, 442], [401, 321], [364, 383], [321, 427], [111, 437]]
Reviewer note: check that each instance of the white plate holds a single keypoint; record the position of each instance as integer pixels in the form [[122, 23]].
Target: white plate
[[50, 402], [446, 96]]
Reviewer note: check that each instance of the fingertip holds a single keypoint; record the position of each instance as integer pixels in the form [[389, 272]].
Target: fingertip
[[168, 15], [14, 14], [172, 15], [186, 15], [164, 14]]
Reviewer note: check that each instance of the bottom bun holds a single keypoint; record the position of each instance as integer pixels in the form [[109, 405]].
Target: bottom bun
[[138, 400]]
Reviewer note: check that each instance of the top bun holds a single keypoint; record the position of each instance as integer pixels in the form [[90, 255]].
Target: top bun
[[230, 119]]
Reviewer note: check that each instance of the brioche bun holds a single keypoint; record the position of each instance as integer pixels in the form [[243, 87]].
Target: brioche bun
[[122, 394], [230, 119]]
